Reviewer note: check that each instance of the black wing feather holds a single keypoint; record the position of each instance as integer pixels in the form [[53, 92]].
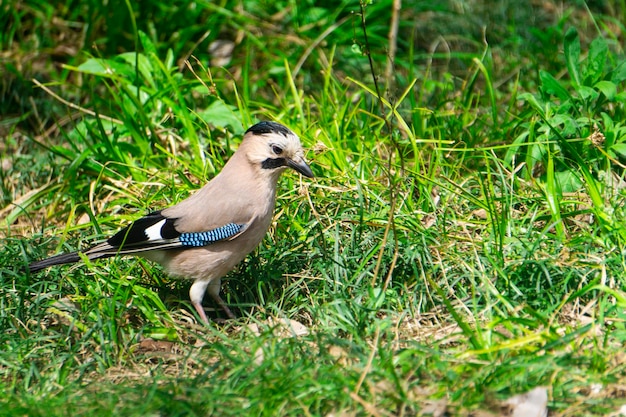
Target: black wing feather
[[135, 239], [135, 234]]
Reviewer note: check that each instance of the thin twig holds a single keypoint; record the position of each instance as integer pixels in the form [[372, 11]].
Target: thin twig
[[391, 225], [370, 360], [185, 59], [393, 41], [75, 106], [369, 408], [371, 62]]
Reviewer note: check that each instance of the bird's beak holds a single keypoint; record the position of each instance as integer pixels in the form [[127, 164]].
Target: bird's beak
[[300, 166]]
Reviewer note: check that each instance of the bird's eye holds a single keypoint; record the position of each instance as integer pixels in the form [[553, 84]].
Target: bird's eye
[[277, 149]]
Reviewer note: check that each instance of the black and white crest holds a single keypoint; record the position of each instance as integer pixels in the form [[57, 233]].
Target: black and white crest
[[263, 128]]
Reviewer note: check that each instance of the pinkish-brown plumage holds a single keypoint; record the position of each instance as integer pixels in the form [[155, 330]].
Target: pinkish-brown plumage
[[225, 220]]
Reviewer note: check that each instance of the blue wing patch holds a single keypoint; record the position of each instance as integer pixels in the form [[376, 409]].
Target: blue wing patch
[[199, 239]]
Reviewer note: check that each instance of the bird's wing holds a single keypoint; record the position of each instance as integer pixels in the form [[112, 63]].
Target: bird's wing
[[158, 232]]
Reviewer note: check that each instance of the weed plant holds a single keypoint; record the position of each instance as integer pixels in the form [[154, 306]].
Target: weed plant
[[462, 242]]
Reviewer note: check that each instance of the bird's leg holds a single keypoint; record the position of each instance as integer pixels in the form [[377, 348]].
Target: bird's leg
[[196, 294], [222, 304], [213, 289], [201, 312]]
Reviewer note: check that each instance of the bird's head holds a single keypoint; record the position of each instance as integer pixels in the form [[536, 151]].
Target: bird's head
[[272, 147]]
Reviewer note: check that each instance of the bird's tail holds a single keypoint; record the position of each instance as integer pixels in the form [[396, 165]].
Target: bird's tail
[[64, 258], [102, 250]]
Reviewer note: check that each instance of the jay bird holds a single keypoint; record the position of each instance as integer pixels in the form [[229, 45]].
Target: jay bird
[[203, 237]]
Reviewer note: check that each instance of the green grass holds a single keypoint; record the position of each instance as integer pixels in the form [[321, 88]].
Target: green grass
[[462, 241]]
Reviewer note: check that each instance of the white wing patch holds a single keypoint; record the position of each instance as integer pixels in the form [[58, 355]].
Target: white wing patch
[[154, 232]]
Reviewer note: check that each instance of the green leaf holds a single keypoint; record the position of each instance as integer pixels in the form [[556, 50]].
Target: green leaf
[[169, 60], [607, 88], [572, 54], [553, 195], [619, 73], [596, 59], [161, 333], [145, 67], [551, 85], [619, 148], [568, 125], [534, 103], [588, 94], [568, 181], [147, 44], [104, 68], [222, 115]]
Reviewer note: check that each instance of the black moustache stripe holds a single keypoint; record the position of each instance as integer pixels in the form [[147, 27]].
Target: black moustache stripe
[[272, 163]]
